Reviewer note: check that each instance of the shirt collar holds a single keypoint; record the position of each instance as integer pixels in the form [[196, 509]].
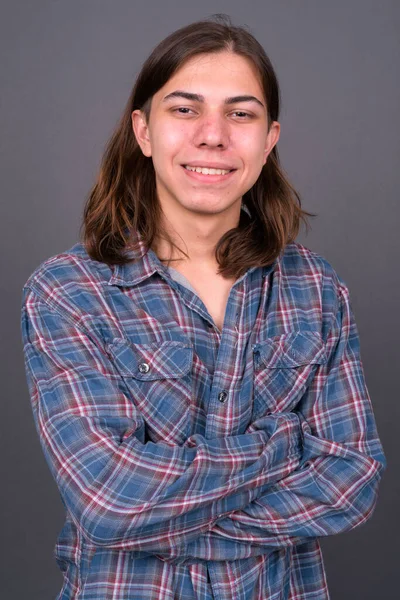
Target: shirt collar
[[146, 263]]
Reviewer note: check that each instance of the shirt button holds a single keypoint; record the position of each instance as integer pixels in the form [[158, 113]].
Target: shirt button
[[222, 396], [144, 367]]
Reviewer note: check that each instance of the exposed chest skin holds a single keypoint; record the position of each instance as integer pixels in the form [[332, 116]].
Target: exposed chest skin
[[213, 290]]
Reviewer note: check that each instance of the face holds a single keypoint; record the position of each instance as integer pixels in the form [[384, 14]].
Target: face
[[198, 118]]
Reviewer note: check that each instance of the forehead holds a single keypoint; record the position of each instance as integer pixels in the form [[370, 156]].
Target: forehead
[[215, 75]]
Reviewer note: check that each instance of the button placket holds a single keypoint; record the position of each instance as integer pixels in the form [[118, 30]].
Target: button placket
[[229, 340]]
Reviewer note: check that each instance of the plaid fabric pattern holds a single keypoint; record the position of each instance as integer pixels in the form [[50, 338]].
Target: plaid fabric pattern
[[195, 463]]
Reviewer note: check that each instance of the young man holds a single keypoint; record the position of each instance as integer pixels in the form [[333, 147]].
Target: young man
[[205, 422]]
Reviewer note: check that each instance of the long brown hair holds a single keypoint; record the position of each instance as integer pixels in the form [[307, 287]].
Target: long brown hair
[[124, 200]]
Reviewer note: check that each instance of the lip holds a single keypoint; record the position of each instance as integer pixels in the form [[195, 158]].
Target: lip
[[208, 178], [210, 165]]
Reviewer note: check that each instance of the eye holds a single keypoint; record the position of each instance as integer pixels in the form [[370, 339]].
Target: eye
[[241, 112], [181, 108]]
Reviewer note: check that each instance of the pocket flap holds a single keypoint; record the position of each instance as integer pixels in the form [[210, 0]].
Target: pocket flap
[[164, 360], [292, 349]]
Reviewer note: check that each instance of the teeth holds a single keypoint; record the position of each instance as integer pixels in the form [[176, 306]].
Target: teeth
[[206, 171]]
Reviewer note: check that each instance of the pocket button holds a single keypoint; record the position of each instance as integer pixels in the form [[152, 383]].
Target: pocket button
[[144, 367]]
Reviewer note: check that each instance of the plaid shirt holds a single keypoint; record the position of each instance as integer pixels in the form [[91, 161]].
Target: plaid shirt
[[195, 463]]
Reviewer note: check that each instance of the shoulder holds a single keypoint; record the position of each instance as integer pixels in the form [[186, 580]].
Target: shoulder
[[301, 262], [67, 279], [311, 282]]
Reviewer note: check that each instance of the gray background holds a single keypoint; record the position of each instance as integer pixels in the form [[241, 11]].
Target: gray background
[[66, 72]]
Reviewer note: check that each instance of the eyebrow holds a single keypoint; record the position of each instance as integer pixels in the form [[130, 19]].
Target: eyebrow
[[200, 98]]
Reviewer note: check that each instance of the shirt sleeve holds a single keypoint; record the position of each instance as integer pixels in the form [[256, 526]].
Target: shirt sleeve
[[336, 485], [120, 492]]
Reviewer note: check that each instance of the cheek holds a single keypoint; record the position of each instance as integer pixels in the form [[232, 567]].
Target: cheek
[[166, 144], [252, 150], [168, 140]]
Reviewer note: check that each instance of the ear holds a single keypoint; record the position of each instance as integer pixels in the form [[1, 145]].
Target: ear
[[272, 139], [141, 131]]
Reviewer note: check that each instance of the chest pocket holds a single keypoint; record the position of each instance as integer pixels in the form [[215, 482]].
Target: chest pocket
[[284, 367], [159, 380]]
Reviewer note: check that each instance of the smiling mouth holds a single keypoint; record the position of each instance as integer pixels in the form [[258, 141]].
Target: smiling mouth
[[208, 171]]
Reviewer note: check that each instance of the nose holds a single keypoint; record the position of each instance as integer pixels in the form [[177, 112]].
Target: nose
[[212, 130]]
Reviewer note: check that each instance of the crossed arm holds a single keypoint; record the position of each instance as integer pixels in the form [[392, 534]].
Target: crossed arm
[[310, 472]]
